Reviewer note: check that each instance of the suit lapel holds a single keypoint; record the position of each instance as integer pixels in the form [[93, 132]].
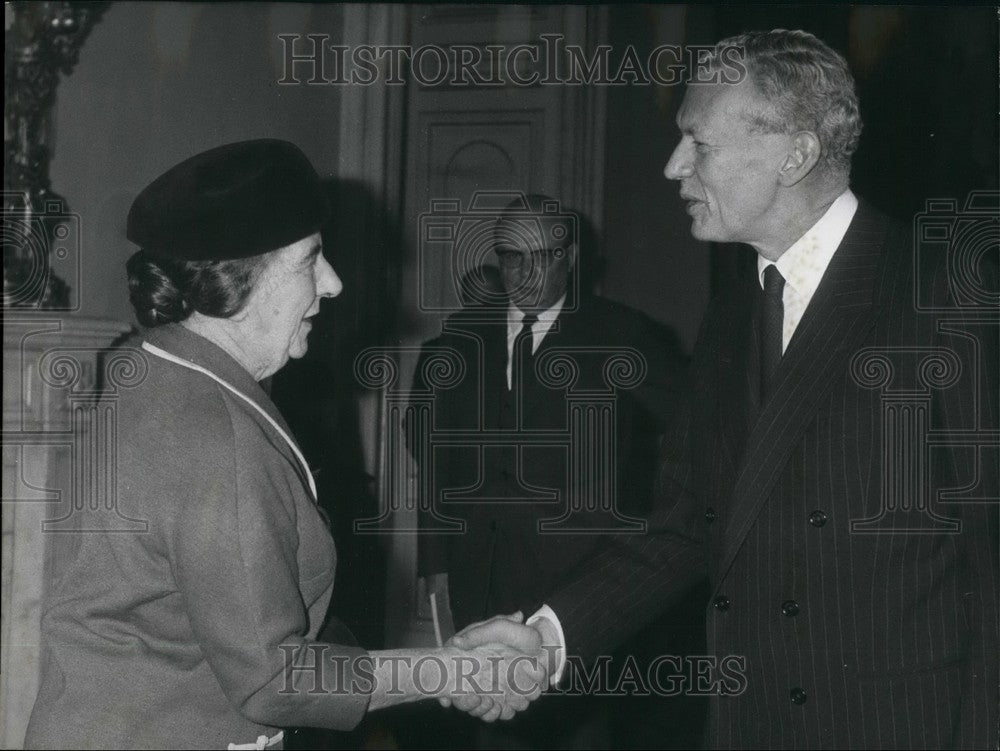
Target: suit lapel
[[481, 342], [560, 335], [492, 388], [836, 322], [740, 375]]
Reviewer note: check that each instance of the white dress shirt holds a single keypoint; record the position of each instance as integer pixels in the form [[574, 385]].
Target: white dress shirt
[[805, 262], [541, 327], [802, 266]]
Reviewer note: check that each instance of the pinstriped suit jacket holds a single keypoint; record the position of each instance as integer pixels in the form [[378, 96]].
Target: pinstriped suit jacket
[[860, 605]]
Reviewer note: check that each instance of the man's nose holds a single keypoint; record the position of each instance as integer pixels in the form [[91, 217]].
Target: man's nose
[[680, 163], [328, 284]]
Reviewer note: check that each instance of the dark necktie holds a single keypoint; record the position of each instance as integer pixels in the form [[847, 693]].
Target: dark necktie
[[772, 314], [522, 358]]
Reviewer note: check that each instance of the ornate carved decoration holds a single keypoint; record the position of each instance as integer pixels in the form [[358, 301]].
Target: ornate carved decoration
[[43, 40]]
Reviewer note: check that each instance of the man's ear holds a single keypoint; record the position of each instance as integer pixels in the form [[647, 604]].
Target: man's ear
[[801, 158]]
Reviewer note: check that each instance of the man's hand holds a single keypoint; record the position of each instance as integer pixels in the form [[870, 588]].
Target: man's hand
[[502, 629], [525, 669], [488, 682], [496, 682], [540, 638]]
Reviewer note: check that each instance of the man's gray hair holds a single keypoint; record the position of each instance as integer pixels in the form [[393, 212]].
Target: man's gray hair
[[808, 86]]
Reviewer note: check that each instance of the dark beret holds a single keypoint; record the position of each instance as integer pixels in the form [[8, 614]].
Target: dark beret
[[233, 201]]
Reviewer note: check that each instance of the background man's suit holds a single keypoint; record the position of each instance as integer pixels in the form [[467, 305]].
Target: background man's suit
[[850, 638], [502, 556]]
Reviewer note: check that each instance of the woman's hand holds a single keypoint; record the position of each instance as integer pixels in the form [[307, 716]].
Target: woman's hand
[[490, 680], [511, 655], [495, 681]]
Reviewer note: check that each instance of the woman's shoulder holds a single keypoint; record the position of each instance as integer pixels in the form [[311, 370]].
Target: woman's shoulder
[[176, 410]]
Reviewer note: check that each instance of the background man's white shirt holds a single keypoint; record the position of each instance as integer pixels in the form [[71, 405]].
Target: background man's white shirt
[[546, 320]]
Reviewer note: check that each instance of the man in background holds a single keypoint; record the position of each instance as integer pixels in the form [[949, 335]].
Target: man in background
[[527, 361]]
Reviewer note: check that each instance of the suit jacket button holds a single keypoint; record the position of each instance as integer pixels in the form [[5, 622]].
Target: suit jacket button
[[798, 695], [721, 602], [817, 518], [710, 514], [790, 608]]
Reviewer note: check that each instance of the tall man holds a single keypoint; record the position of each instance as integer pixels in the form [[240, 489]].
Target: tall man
[[834, 475], [574, 390]]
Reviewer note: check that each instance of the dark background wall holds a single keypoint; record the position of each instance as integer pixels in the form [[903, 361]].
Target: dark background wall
[[653, 262]]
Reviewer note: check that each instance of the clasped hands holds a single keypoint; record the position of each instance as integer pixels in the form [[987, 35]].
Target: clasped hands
[[514, 662]]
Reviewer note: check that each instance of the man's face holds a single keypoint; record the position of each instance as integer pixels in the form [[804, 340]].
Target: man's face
[[729, 177], [284, 300], [534, 276]]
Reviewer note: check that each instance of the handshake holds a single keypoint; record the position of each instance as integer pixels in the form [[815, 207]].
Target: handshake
[[511, 666]]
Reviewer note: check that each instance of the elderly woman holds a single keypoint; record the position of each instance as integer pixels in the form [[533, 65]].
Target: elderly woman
[[201, 631]]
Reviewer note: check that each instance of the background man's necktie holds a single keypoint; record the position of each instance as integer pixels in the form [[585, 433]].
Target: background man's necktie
[[522, 365], [771, 326]]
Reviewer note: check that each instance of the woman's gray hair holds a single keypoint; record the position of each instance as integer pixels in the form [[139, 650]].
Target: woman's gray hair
[[808, 87]]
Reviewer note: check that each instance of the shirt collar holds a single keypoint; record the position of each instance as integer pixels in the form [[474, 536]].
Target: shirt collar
[[515, 315], [804, 263]]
